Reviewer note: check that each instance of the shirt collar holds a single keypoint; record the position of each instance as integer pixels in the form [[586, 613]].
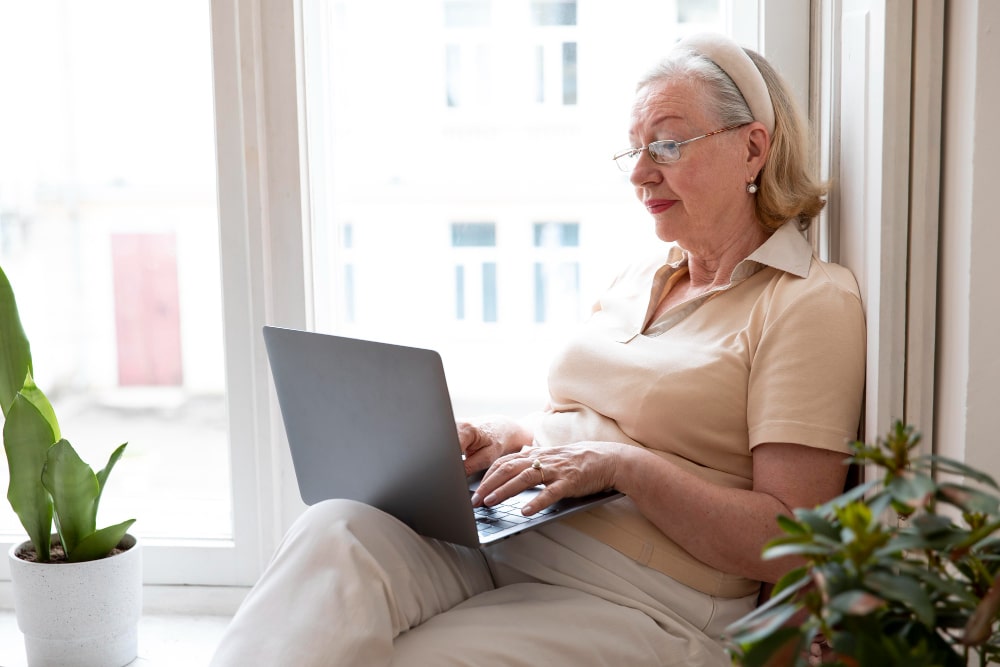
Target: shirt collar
[[786, 250]]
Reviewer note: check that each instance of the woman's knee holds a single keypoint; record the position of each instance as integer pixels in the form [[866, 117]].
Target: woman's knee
[[334, 519], [336, 509], [324, 517]]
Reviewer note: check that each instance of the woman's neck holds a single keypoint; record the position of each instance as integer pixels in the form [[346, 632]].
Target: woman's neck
[[714, 265]]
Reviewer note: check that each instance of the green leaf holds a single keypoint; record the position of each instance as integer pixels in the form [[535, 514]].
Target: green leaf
[[900, 544], [102, 475], [856, 603], [100, 543], [905, 590], [34, 395], [817, 522], [786, 646], [969, 499], [15, 352], [27, 436], [846, 498], [778, 598], [766, 624], [945, 464], [933, 525], [74, 489], [795, 549], [790, 526], [911, 490], [793, 579]]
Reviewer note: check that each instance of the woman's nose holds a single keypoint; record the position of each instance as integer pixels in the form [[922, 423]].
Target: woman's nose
[[645, 170]]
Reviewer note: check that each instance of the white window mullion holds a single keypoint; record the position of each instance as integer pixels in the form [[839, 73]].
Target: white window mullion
[[262, 259]]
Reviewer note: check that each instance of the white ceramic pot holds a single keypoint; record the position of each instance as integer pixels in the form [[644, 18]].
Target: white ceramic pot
[[79, 614]]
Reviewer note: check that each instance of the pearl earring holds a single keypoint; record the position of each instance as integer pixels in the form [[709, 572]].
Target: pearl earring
[[752, 188]]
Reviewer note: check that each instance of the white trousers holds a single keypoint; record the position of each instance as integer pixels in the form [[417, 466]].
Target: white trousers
[[351, 585]]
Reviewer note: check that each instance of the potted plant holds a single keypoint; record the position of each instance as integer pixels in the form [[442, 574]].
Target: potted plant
[[919, 588], [77, 593]]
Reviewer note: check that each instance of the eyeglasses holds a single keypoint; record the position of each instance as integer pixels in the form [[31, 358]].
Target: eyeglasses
[[664, 151]]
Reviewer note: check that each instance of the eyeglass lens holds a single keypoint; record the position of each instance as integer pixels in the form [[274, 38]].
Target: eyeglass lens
[[663, 151]]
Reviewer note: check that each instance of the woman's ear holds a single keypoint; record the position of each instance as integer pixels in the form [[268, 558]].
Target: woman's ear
[[758, 146]]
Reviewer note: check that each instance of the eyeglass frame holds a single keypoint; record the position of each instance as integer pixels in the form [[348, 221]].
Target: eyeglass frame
[[636, 152]]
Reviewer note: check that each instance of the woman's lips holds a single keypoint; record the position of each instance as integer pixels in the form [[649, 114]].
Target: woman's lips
[[655, 206]]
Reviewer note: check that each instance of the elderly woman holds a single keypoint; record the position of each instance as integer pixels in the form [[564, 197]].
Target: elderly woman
[[717, 388]]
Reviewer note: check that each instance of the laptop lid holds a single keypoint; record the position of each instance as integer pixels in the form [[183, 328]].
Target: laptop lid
[[373, 422]]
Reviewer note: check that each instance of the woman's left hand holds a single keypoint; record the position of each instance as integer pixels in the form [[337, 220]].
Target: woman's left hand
[[565, 471]]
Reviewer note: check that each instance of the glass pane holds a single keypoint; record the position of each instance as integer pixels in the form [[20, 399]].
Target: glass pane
[[569, 73], [510, 118], [109, 235], [553, 12], [473, 234]]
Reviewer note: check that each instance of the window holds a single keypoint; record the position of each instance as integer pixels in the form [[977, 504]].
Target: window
[[475, 270], [109, 235], [557, 272]]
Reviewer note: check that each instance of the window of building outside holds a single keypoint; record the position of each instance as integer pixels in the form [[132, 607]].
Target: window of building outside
[[465, 199], [475, 270], [109, 235]]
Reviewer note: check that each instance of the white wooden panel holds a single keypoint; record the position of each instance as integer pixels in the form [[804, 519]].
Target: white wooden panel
[[871, 187], [968, 368]]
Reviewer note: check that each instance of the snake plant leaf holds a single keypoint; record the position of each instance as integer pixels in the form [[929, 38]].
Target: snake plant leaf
[[102, 475], [15, 352], [99, 543], [74, 489], [27, 436], [35, 396]]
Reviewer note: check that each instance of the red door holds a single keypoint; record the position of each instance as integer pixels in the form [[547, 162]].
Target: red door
[[147, 309]]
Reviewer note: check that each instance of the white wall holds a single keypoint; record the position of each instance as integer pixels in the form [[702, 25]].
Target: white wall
[[968, 359]]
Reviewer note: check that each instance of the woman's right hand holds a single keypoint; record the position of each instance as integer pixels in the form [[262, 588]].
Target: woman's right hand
[[486, 439]]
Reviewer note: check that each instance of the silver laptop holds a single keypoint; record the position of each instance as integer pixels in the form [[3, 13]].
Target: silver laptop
[[373, 422]]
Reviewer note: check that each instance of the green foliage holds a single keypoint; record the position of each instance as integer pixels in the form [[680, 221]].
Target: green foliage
[[902, 571], [48, 480]]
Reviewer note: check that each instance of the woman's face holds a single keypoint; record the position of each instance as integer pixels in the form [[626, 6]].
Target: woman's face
[[700, 201]]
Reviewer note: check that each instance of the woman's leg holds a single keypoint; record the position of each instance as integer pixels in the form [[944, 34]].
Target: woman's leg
[[565, 598], [344, 582]]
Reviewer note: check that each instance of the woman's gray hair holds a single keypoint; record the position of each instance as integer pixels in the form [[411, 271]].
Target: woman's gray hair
[[729, 104]]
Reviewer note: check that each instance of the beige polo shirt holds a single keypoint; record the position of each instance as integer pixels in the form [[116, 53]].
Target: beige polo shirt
[[777, 355]]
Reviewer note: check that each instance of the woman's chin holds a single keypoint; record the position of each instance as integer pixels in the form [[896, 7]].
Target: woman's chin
[[665, 231]]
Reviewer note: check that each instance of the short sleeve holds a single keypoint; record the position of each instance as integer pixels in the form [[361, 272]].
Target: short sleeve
[[808, 370]]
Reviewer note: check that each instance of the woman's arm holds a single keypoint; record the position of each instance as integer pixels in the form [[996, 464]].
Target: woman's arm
[[724, 527]]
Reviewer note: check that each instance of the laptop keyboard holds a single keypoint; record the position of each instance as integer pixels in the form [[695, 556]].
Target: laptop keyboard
[[505, 515]]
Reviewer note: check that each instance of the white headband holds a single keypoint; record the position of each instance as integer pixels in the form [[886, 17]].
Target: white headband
[[734, 61]]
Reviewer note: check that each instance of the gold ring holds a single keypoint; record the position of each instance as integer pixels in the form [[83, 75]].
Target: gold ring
[[537, 465]]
